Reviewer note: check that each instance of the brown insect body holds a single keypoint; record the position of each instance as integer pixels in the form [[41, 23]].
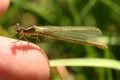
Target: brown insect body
[[72, 34]]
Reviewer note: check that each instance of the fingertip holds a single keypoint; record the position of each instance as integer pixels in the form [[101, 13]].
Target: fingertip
[[25, 62], [4, 4]]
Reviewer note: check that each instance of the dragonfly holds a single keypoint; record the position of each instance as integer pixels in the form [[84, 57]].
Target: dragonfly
[[75, 34]]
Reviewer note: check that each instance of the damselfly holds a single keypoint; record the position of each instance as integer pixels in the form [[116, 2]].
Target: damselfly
[[76, 34]]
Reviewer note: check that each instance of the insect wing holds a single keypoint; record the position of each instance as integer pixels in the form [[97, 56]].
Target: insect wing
[[71, 33], [82, 35]]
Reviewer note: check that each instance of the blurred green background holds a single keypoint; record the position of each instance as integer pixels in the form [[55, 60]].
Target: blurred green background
[[104, 14]]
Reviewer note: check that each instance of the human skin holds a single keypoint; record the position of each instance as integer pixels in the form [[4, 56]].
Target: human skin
[[4, 4], [20, 60]]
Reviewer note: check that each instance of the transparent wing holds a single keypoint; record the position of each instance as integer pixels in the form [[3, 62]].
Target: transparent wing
[[79, 33], [83, 35]]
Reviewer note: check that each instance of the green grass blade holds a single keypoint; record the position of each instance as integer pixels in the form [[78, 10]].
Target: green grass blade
[[87, 62]]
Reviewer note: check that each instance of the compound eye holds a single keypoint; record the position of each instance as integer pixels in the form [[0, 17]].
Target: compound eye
[[17, 28], [17, 25]]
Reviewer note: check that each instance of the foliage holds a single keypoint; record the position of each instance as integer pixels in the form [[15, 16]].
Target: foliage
[[105, 14]]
